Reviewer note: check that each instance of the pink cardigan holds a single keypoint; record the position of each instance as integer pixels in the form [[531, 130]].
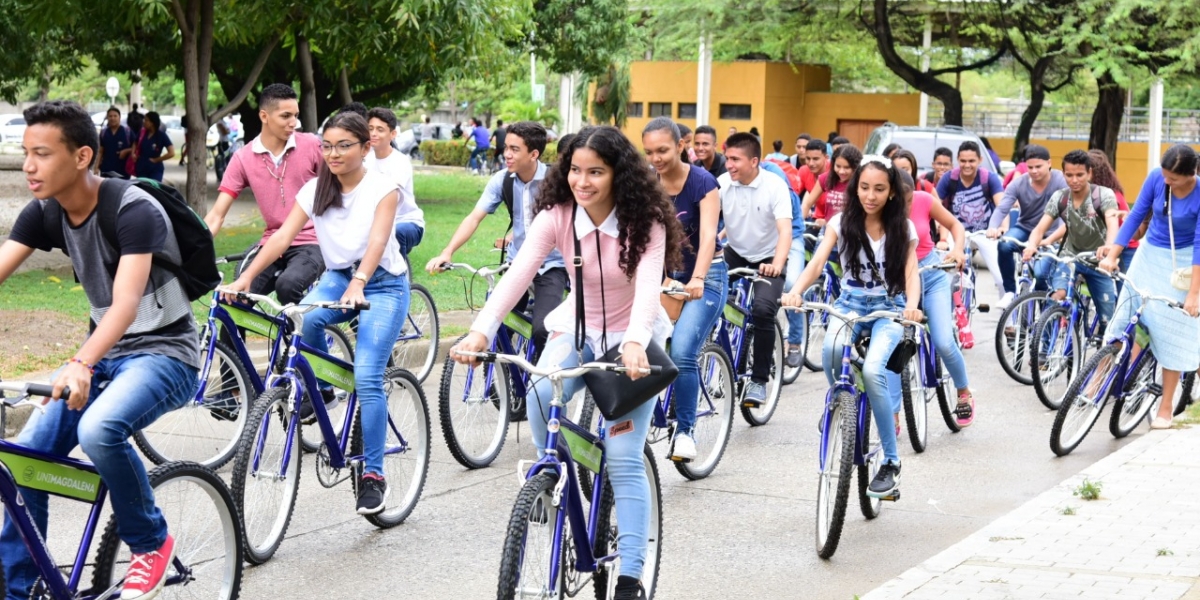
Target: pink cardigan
[[633, 306]]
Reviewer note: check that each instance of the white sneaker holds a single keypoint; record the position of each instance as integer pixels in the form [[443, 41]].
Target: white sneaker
[[683, 447], [1005, 300]]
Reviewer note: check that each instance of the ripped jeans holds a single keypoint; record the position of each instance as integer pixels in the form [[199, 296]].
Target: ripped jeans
[[1104, 292], [692, 330]]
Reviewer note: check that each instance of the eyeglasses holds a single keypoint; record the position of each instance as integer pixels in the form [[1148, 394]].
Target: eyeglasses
[[342, 148]]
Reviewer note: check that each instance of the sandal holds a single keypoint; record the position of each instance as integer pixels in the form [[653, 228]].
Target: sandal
[[964, 412], [1160, 423]]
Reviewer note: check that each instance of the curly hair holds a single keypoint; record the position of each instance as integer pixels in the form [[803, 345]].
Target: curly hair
[[895, 226], [639, 198], [1102, 172]]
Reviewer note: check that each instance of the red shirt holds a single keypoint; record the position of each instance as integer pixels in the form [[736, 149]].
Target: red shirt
[[831, 200]]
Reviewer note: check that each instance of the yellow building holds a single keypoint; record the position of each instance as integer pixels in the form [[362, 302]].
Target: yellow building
[[780, 99]]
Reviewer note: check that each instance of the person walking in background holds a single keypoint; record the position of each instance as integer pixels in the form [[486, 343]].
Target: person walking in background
[[480, 135], [116, 144], [153, 142]]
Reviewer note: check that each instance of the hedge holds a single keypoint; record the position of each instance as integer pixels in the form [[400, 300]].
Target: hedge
[[455, 153]]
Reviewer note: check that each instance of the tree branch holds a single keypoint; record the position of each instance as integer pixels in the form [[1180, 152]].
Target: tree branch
[[1067, 79], [973, 66], [181, 17], [205, 43], [251, 79]]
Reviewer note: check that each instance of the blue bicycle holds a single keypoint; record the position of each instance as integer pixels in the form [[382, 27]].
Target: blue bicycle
[[197, 505], [1062, 336], [847, 439], [825, 290], [1014, 330], [735, 335], [554, 546], [926, 377]]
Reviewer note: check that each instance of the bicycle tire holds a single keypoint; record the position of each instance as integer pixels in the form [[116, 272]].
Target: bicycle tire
[[1027, 307], [916, 404], [714, 417], [762, 414], [840, 457], [460, 409], [205, 430], [272, 411], [1187, 385], [534, 499], [870, 507], [606, 537], [408, 415], [418, 355], [945, 393], [790, 374], [225, 553], [815, 332], [1080, 402], [1046, 323], [1132, 406], [589, 419], [340, 346]]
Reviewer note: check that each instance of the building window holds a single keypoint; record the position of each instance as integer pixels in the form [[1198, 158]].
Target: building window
[[687, 110], [634, 110], [660, 109], [735, 112]]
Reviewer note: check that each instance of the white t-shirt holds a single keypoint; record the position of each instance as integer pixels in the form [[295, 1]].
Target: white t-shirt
[[750, 212], [343, 233], [398, 167], [866, 282]]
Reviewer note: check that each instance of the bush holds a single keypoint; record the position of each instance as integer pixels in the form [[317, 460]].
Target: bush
[[448, 153], [550, 156]]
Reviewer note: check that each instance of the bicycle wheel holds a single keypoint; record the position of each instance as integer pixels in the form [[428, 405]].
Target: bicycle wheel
[[1186, 394], [1083, 402], [406, 449], [714, 413], [790, 374], [1131, 406], [833, 485], [205, 430], [528, 555], [417, 348], [816, 324], [873, 452], [916, 404], [1056, 357], [762, 414], [263, 489], [1013, 333], [340, 347], [606, 536], [474, 412], [208, 536], [947, 396]]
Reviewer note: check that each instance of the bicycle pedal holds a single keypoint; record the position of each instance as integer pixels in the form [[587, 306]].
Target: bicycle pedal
[[984, 308], [893, 497], [679, 459]]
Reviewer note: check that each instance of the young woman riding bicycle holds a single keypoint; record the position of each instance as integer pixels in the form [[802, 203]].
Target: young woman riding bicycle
[[878, 248], [704, 274], [602, 193], [353, 211]]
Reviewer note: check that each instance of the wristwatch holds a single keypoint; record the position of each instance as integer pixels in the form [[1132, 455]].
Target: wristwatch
[[359, 275]]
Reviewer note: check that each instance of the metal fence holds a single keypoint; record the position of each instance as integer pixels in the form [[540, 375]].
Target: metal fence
[[999, 119]]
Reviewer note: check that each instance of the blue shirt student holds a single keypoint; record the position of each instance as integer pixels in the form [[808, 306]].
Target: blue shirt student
[[523, 200], [113, 144], [1185, 213], [152, 146]]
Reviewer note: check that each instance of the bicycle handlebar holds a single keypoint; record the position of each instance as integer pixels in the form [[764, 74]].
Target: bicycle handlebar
[[523, 364], [675, 291], [1165, 300], [481, 271], [293, 308], [949, 266], [879, 314], [746, 273], [25, 390], [232, 258]]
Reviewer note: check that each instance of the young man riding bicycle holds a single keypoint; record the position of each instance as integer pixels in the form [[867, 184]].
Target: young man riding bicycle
[[141, 357]]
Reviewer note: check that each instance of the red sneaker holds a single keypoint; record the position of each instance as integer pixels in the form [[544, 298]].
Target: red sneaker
[[147, 572]]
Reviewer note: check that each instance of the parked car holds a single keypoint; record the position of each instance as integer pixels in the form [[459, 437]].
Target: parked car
[[174, 127], [407, 139], [12, 129], [922, 141]]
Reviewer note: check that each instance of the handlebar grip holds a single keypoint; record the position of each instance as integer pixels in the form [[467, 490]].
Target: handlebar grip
[[655, 369], [45, 389], [232, 258], [364, 305]]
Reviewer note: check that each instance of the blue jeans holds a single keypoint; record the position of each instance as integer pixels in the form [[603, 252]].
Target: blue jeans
[[1123, 263], [938, 303], [1104, 293], [474, 161], [795, 266], [378, 329], [623, 452], [127, 394], [1008, 262], [877, 379], [692, 330], [409, 234]]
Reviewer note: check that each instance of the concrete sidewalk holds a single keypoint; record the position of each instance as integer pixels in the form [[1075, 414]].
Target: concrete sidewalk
[[1138, 540]]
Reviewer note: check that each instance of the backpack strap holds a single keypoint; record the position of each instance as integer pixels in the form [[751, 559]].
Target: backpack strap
[[112, 191], [506, 194], [52, 224]]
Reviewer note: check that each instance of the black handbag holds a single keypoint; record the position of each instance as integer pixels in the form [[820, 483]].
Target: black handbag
[[616, 394]]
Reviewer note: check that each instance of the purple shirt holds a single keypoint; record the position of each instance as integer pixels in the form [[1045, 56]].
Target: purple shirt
[[481, 137]]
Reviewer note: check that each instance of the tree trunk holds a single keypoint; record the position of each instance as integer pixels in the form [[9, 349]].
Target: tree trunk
[[308, 88], [344, 87], [1037, 99], [195, 25], [1106, 119]]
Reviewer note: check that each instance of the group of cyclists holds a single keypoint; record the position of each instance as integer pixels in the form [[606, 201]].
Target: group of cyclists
[[341, 218]]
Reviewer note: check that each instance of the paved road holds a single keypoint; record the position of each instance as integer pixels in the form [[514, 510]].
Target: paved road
[[745, 532]]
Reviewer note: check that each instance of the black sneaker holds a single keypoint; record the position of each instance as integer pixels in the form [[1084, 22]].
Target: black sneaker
[[629, 588], [886, 481], [793, 357], [372, 492], [307, 411]]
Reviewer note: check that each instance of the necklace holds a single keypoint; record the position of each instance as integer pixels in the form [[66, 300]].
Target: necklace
[[277, 176]]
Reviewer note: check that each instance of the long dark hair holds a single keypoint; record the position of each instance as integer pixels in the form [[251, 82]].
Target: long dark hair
[[329, 187], [639, 198], [1102, 172], [895, 227], [853, 157]]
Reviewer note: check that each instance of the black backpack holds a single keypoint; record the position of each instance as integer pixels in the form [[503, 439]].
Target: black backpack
[[198, 271]]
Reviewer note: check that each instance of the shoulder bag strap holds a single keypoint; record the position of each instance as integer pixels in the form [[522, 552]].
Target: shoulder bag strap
[[580, 327], [1170, 221]]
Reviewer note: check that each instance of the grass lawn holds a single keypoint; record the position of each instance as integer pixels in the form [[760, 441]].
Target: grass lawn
[[52, 305]]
